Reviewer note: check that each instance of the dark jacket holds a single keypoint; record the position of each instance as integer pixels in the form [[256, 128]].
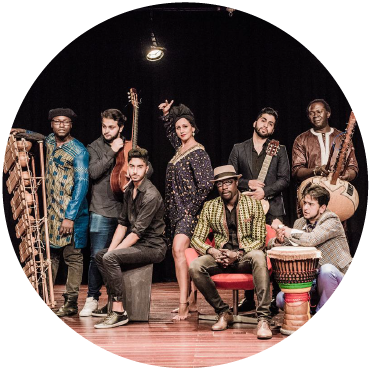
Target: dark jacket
[[277, 178]]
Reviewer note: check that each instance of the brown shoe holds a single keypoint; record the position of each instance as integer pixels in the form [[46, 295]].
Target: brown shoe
[[263, 330], [224, 320]]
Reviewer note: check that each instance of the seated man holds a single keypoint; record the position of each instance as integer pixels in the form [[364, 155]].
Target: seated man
[[322, 229], [138, 239], [239, 228]]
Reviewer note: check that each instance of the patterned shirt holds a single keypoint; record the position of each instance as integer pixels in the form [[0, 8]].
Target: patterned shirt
[[67, 182]]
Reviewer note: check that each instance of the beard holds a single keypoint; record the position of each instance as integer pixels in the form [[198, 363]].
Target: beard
[[112, 139], [262, 136]]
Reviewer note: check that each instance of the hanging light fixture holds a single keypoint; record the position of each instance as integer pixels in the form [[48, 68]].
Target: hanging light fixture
[[155, 52]]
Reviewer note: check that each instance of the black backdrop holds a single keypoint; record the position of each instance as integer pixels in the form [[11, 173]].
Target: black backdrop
[[224, 68]]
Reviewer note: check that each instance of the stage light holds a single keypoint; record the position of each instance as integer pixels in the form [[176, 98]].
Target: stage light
[[155, 51]]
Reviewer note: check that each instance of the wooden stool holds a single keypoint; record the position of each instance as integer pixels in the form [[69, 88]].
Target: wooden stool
[[137, 286]]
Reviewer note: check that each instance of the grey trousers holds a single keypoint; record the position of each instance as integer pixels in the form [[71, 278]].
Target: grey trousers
[[110, 264], [74, 261], [202, 268]]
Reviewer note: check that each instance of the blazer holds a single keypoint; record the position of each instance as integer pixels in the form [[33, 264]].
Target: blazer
[[251, 228], [277, 179], [328, 236]]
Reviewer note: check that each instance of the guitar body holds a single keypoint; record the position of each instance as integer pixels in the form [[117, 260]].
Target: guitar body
[[343, 195], [119, 177]]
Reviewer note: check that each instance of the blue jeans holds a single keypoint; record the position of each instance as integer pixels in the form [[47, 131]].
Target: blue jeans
[[101, 233], [327, 280]]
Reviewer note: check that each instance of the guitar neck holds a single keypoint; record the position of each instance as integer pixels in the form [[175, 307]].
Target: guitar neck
[[135, 124], [265, 166]]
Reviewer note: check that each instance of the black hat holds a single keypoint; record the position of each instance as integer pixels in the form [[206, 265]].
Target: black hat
[[182, 111], [67, 112]]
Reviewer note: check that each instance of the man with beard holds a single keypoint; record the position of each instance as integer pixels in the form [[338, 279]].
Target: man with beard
[[67, 183], [322, 229], [239, 248], [247, 158], [105, 206]]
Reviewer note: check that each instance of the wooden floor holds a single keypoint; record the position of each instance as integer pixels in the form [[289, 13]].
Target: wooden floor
[[163, 342]]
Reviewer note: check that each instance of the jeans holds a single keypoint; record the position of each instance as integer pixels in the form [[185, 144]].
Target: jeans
[[202, 268], [327, 280], [74, 260], [110, 264], [101, 233]]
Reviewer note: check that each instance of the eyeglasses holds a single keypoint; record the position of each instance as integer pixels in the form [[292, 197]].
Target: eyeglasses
[[57, 122], [219, 184]]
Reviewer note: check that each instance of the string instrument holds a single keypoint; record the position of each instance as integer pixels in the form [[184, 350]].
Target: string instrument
[[119, 178], [271, 151], [343, 195]]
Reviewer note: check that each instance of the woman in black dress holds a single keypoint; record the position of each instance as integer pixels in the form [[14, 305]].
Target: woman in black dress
[[188, 182]]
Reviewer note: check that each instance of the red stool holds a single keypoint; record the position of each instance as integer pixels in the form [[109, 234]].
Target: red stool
[[233, 282]]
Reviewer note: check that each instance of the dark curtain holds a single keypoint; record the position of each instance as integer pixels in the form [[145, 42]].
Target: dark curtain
[[226, 69]]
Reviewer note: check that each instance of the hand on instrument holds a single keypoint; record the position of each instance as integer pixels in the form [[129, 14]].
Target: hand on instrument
[[280, 236], [66, 227], [117, 144], [165, 107], [320, 171], [258, 194], [254, 184]]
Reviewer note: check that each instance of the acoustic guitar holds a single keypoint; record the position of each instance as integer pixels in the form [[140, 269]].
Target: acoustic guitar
[[119, 178], [271, 151], [343, 195]]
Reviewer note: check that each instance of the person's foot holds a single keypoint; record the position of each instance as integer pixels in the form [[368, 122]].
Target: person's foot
[[183, 312], [263, 330], [100, 312], [113, 320], [91, 304], [68, 309], [246, 305], [224, 320]]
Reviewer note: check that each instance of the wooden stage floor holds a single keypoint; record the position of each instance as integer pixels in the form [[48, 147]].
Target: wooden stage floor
[[162, 342]]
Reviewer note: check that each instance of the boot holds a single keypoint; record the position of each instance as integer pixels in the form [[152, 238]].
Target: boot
[[69, 308]]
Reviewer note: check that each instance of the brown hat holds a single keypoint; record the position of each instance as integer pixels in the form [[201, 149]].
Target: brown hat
[[225, 172]]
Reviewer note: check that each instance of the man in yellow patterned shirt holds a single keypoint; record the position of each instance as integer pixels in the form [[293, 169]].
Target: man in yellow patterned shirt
[[239, 227]]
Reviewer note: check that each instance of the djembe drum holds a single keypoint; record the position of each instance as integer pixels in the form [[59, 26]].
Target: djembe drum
[[295, 269]]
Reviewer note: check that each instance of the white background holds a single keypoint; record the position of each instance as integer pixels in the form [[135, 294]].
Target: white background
[[33, 32]]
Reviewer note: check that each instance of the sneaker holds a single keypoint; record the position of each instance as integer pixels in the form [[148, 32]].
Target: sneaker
[[91, 304], [112, 320], [100, 312]]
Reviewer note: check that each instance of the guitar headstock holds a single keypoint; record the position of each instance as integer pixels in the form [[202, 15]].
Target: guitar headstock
[[132, 97], [272, 148]]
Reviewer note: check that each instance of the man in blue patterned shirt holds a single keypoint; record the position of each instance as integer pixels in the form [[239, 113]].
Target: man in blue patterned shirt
[[67, 182]]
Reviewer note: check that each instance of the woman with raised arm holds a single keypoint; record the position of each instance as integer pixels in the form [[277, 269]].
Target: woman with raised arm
[[187, 185]]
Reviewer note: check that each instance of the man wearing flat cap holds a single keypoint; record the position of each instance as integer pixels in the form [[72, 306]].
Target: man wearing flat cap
[[67, 181], [239, 244]]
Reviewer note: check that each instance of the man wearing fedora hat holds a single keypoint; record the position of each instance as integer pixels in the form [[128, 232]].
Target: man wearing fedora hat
[[238, 224]]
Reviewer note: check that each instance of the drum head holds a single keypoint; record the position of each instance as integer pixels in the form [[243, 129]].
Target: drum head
[[287, 253]]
